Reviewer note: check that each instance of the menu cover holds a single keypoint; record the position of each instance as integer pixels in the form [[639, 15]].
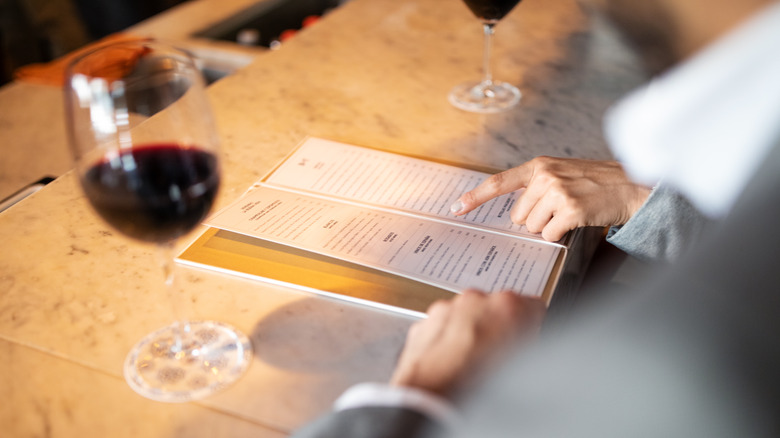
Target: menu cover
[[374, 227]]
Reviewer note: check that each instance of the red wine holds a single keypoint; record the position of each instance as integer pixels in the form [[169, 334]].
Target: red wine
[[491, 10], [154, 192]]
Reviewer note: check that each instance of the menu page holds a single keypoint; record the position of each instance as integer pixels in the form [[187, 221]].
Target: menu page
[[392, 181], [448, 255]]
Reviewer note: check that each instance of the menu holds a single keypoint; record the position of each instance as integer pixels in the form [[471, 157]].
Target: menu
[[390, 213]]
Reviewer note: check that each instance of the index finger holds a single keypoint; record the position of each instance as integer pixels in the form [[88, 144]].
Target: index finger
[[496, 185]]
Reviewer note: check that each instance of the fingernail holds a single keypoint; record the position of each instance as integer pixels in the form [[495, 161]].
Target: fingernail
[[456, 207]]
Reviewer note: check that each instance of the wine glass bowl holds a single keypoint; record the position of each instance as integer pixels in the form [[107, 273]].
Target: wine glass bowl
[[487, 95], [146, 150], [167, 193]]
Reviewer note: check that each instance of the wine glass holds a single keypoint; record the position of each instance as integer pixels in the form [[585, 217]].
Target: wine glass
[[145, 144], [487, 95]]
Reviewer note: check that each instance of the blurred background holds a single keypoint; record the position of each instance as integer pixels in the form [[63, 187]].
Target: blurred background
[[42, 30]]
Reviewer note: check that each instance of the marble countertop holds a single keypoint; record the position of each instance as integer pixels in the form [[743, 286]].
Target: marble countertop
[[75, 296]]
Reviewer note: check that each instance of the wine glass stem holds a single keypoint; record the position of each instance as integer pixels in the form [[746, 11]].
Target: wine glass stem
[[488, 75], [166, 260]]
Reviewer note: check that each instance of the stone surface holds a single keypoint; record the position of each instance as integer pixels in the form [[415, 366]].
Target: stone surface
[[75, 295]]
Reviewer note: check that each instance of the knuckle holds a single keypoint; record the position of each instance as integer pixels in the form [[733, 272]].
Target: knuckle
[[551, 234], [533, 226], [511, 306], [516, 217], [508, 300], [468, 299], [439, 307], [544, 164], [469, 295], [468, 198], [496, 181], [542, 161]]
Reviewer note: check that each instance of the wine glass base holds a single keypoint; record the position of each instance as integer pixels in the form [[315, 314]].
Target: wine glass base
[[210, 357], [484, 97]]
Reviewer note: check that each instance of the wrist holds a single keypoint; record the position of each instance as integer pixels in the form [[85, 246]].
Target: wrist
[[640, 195]]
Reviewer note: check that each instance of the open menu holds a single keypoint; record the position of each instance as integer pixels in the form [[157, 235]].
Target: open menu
[[374, 227]]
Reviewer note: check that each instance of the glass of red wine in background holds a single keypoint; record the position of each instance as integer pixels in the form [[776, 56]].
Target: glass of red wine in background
[[487, 95], [145, 144]]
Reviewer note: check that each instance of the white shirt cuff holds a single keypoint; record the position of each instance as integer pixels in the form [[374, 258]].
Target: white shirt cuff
[[384, 395]]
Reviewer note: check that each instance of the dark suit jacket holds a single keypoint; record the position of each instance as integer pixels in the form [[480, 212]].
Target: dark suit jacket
[[695, 352]]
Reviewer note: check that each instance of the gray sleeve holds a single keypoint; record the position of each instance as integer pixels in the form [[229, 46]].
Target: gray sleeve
[[662, 230], [691, 352]]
